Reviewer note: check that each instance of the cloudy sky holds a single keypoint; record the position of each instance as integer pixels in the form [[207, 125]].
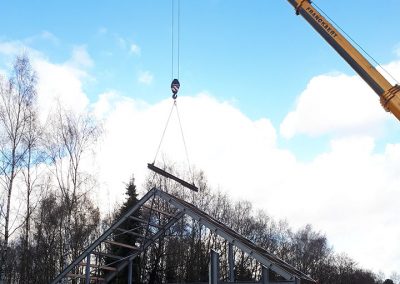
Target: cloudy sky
[[270, 112]]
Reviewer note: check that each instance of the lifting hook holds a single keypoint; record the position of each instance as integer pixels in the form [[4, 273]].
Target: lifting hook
[[175, 88]]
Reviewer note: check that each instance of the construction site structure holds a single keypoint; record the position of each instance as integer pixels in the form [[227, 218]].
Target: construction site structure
[[97, 271]]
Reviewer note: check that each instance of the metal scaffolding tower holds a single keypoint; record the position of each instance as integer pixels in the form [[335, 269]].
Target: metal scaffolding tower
[[90, 265]]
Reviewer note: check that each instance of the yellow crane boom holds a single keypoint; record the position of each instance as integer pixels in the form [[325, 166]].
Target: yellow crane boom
[[389, 94]]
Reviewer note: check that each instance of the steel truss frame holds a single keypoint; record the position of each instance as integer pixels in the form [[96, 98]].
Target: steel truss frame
[[153, 232]]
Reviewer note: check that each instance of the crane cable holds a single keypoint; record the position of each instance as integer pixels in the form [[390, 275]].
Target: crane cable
[[175, 85], [175, 10], [356, 43]]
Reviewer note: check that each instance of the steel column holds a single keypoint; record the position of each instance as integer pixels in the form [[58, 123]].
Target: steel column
[[214, 268], [265, 275], [231, 263], [130, 272], [87, 270]]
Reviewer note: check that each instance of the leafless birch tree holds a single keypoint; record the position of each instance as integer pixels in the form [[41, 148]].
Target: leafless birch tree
[[16, 97], [69, 137]]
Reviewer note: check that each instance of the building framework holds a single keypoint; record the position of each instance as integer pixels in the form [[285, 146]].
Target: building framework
[[95, 271]]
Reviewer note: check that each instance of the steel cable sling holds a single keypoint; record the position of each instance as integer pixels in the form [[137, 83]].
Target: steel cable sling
[[175, 85]]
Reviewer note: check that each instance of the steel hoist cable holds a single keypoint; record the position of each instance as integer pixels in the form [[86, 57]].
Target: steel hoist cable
[[163, 134], [175, 85], [356, 43], [175, 40], [175, 106]]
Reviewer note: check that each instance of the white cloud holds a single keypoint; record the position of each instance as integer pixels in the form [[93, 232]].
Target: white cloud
[[80, 57], [340, 104], [149, 120], [103, 106], [49, 36], [102, 31], [122, 43], [397, 50], [391, 72], [44, 35], [59, 84], [135, 49], [335, 104], [13, 48], [145, 77], [349, 192], [18, 47]]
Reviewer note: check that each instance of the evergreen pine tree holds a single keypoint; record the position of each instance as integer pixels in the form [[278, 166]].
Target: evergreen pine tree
[[126, 238]]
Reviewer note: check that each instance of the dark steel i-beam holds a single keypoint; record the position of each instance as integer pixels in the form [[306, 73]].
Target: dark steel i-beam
[[170, 176]]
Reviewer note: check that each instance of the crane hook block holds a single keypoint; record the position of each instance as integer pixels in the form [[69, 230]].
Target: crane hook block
[[175, 88]]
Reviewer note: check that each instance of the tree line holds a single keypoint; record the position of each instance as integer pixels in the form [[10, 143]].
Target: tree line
[[183, 255], [48, 216]]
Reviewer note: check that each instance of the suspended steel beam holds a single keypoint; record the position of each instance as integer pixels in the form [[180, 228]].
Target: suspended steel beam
[[171, 176]]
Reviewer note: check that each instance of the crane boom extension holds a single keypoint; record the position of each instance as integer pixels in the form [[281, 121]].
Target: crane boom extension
[[389, 94]]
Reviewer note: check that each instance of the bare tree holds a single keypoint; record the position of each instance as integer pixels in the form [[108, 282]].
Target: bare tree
[[395, 276], [16, 97], [31, 174], [69, 137]]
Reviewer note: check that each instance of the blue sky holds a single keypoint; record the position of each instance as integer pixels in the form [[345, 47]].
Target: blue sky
[[258, 55], [286, 101]]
